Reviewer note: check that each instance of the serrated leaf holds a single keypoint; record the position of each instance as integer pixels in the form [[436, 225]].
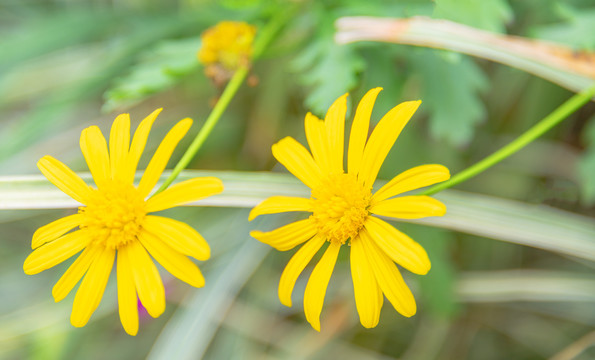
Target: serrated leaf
[[573, 31], [158, 69], [329, 70], [450, 89], [489, 15]]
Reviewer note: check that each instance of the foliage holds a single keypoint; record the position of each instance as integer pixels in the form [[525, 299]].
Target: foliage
[[511, 262]]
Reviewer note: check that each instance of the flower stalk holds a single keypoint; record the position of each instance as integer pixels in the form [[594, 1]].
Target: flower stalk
[[554, 118], [262, 41]]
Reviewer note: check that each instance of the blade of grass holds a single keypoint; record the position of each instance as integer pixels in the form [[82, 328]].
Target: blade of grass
[[506, 220]]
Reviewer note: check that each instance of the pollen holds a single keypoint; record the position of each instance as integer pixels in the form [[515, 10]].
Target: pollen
[[340, 207], [114, 215]]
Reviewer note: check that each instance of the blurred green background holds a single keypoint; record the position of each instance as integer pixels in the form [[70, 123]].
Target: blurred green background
[[65, 65]]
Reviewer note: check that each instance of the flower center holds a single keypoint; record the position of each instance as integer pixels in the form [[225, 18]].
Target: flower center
[[340, 207], [114, 214]]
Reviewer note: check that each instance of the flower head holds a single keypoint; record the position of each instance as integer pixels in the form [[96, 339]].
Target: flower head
[[343, 208], [225, 48], [115, 219]]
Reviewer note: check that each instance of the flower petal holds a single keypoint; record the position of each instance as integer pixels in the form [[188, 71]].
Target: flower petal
[[295, 266], [298, 161], [127, 299], [414, 178], [119, 142], [146, 278], [180, 236], [287, 237], [317, 284], [382, 139], [389, 278], [277, 204], [409, 207], [318, 142], [398, 246], [74, 273], [359, 131], [176, 263], [55, 229], [94, 149], [185, 192], [89, 294], [335, 131], [64, 178], [368, 296], [138, 146], [162, 155], [55, 252]]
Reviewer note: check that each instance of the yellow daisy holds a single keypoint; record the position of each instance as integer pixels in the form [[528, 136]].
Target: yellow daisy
[[115, 219], [225, 48], [342, 207]]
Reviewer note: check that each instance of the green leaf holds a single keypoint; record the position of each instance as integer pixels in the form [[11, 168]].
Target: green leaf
[[450, 89], [489, 15], [438, 286], [328, 69], [573, 30], [505, 220], [158, 69], [586, 166]]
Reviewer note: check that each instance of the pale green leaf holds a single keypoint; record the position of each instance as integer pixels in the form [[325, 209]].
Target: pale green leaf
[[492, 15], [158, 69]]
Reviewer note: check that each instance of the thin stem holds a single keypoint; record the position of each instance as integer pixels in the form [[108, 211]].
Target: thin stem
[[265, 37], [555, 117]]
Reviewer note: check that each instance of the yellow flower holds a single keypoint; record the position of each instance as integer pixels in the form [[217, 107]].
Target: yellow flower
[[226, 47], [342, 207], [115, 219]]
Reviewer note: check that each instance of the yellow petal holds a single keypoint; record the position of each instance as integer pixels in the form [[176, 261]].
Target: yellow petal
[[180, 236], [89, 294], [146, 279], [287, 237], [382, 139], [55, 252], [389, 278], [295, 266], [176, 263], [119, 141], [162, 155], [138, 146], [318, 142], [127, 300], [94, 149], [317, 284], [55, 229], [185, 192], [64, 178], [359, 131], [277, 204], [368, 296], [409, 207], [335, 131], [298, 161], [398, 246], [74, 273], [414, 178]]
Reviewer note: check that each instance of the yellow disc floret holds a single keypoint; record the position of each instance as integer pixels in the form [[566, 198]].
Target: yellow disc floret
[[114, 214], [340, 207]]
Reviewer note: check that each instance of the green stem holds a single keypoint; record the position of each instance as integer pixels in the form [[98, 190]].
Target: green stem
[[265, 37], [555, 117]]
